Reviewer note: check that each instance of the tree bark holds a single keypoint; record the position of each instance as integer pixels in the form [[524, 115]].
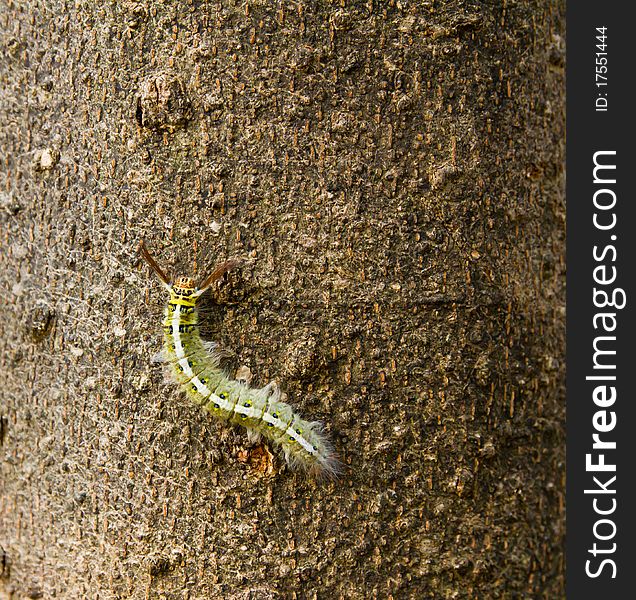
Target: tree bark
[[391, 174]]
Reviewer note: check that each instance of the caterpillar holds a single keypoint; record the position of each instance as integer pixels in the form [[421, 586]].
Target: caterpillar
[[195, 366]]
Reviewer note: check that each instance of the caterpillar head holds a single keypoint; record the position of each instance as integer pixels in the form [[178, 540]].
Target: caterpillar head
[[183, 291], [185, 288]]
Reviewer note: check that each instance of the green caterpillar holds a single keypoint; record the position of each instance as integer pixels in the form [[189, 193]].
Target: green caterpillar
[[195, 366]]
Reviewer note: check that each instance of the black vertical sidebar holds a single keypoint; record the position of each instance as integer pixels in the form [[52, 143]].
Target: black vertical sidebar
[[601, 262]]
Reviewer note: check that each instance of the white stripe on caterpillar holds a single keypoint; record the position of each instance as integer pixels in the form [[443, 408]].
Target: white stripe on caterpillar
[[196, 367]]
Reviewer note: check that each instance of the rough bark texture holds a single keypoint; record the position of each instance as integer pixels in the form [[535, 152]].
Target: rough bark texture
[[392, 174]]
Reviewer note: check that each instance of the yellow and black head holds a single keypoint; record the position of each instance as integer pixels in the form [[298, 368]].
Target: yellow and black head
[[184, 291], [184, 286]]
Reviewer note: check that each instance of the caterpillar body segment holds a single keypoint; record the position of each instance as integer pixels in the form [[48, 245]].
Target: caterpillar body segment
[[195, 366]]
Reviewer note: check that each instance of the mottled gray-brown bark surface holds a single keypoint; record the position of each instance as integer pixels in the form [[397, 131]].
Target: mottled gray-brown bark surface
[[391, 174]]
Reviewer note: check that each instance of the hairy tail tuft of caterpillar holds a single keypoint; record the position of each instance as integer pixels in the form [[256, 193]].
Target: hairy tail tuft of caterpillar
[[195, 366]]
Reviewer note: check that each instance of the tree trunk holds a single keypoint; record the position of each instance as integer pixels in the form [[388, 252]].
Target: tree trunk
[[391, 174]]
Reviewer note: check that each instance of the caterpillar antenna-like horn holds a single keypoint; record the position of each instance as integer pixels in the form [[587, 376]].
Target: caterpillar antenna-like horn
[[218, 272], [152, 263]]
